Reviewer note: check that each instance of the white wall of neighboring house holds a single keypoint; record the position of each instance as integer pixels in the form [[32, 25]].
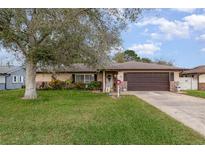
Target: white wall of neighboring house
[[202, 78], [188, 83], [2, 79]]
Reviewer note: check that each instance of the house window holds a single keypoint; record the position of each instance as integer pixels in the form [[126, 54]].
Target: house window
[[79, 78], [21, 79], [84, 78], [15, 79]]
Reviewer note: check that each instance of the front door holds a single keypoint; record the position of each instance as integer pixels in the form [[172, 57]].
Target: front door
[[109, 82]]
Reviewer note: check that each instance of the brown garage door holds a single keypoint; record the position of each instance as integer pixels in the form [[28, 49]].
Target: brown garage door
[[147, 81]]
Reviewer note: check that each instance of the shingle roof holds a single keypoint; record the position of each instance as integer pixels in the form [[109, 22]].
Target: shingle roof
[[113, 66], [199, 69], [132, 65], [8, 69], [71, 68]]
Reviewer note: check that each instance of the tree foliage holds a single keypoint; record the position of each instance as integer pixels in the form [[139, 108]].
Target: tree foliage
[[129, 55], [164, 62], [62, 36], [65, 36]]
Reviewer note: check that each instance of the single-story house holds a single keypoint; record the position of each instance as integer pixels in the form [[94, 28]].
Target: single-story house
[[193, 79], [12, 77], [135, 76]]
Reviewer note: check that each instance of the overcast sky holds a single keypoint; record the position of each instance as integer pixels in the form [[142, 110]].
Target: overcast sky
[[170, 34]]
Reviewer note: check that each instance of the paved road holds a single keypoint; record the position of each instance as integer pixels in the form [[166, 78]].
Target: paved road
[[186, 109]]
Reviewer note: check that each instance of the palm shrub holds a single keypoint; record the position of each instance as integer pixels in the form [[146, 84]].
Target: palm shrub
[[94, 85]]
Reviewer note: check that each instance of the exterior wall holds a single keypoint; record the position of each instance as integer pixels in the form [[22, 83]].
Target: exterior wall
[[173, 86], [188, 83], [120, 76], [100, 76], [202, 78], [2, 79], [64, 76], [201, 86], [9, 79], [176, 76], [2, 86], [43, 77], [202, 82], [46, 77], [2, 82]]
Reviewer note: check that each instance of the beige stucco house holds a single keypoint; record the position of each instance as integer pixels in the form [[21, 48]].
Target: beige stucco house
[[133, 76]]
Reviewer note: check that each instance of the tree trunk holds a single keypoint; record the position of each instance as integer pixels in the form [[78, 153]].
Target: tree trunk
[[30, 91]]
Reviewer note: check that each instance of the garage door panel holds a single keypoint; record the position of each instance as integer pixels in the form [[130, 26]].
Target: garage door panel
[[145, 81]]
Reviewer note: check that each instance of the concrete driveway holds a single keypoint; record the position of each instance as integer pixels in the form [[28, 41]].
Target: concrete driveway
[[186, 109]]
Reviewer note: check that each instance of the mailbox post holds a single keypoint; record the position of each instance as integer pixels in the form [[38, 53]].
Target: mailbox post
[[118, 88]]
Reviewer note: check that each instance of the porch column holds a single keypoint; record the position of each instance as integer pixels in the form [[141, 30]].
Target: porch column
[[104, 81]]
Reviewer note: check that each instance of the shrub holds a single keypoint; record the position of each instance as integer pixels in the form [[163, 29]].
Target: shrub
[[44, 85], [80, 85], [94, 85], [68, 82], [57, 84], [70, 86]]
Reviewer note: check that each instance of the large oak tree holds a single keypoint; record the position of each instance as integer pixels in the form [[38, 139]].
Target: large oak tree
[[61, 36]]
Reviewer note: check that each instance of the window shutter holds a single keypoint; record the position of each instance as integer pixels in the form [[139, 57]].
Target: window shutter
[[95, 77], [125, 77], [73, 78]]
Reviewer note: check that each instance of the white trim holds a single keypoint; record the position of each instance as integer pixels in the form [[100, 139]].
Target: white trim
[[14, 76], [21, 79]]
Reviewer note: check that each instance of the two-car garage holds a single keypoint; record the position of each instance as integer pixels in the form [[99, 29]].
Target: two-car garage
[[147, 81]]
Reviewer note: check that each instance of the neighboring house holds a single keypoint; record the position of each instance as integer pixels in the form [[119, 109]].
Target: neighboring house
[[135, 76], [193, 79], [11, 77]]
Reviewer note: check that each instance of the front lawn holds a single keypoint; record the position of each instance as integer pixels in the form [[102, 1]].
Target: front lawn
[[80, 117], [196, 93]]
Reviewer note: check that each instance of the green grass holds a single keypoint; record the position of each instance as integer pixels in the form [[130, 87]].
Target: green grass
[[80, 117], [196, 93]]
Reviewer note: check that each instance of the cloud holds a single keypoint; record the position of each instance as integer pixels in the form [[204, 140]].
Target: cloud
[[201, 37], [169, 29], [186, 10], [146, 49], [155, 36], [203, 50], [196, 21]]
